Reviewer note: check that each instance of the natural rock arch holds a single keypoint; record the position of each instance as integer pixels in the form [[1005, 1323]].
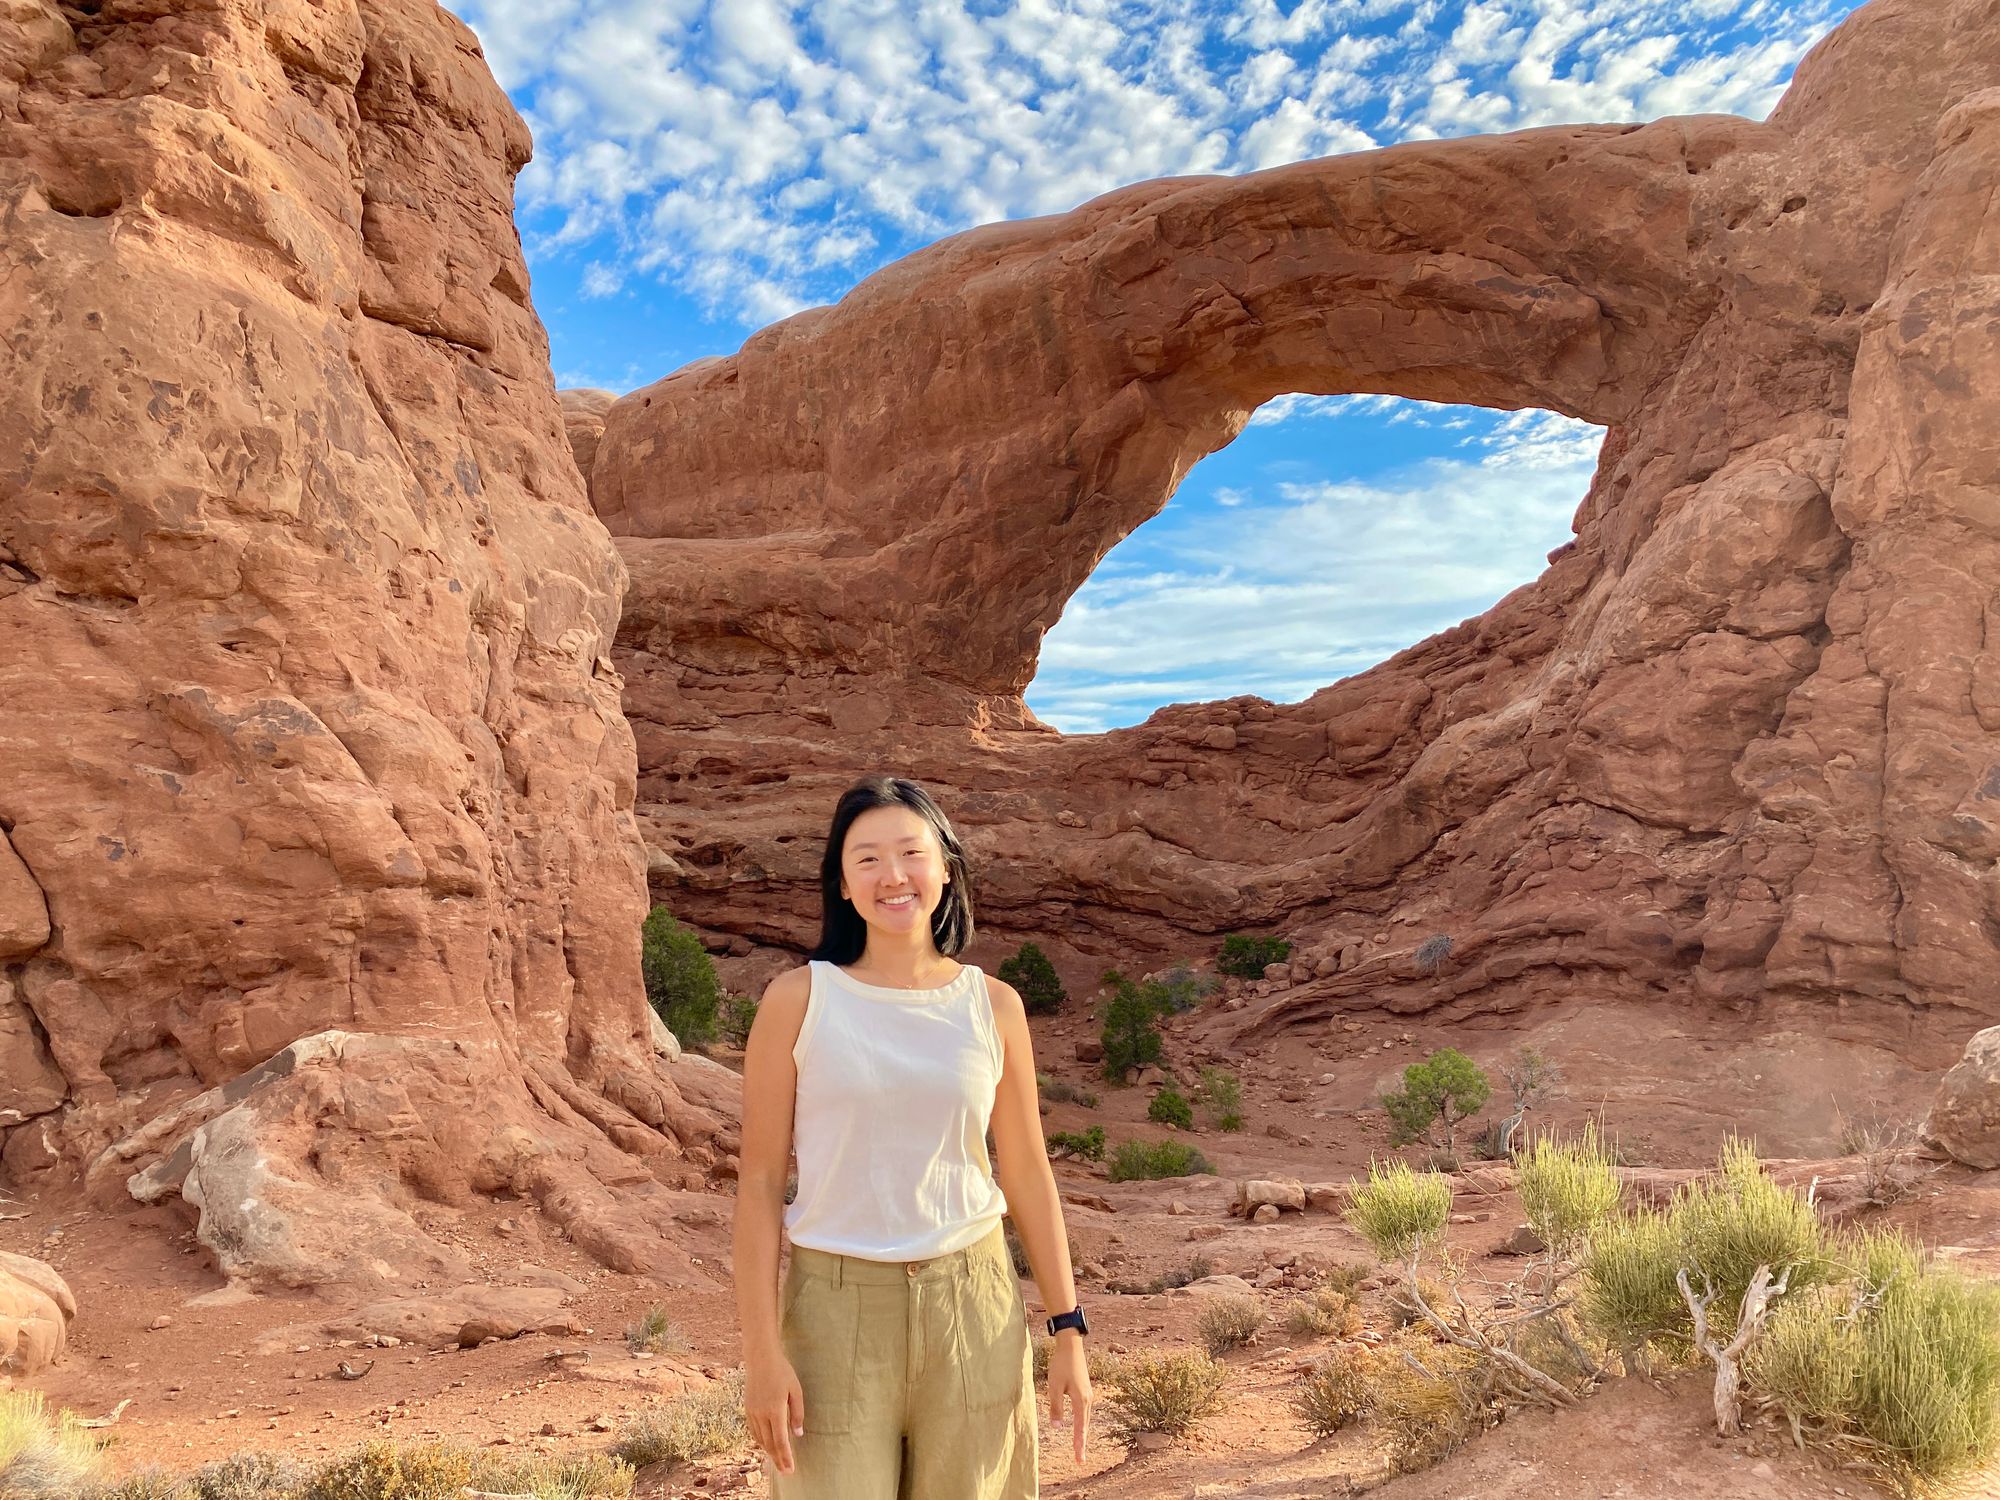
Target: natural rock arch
[[1734, 744]]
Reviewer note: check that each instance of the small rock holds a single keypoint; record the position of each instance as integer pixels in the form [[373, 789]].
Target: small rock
[[1177, 1206], [164, 1320], [1265, 1213]]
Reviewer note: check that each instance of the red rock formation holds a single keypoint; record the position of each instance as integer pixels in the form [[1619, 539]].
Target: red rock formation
[[319, 884], [1740, 742], [36, 1309]]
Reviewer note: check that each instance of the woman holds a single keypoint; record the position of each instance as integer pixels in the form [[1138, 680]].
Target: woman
[[896, 1361]]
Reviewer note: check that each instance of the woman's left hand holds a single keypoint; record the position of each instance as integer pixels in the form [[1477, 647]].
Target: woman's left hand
[[1069, 1376]]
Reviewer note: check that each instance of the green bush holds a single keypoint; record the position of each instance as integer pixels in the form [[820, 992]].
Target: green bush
[[1030, 972], [1169, 1106], [709, 1420], [1245, 957], [1131, 1038], [1168, 1391], [1088, 1144], [1229, 1322], [1444, 1089], [739, 1013], [1629, 1294], [1142, 1160], [1730, 1224], [681, 984], [1567, 1189], [1337, 1391], [1398, 1210], [41, 1453], [1220, 1096]]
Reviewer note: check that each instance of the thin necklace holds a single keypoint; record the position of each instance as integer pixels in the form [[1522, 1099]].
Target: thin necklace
[[865, 980]]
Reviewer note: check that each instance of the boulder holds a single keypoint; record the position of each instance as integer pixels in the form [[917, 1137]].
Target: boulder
[[1964, 1120], [36, 1309], [1278, 1192]]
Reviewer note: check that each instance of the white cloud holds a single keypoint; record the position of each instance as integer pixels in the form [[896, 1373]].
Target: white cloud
[[600, 280], [826, 136]]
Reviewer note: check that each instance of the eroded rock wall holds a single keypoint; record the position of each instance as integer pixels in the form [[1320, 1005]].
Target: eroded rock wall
[[312, 766], [1735, 744]]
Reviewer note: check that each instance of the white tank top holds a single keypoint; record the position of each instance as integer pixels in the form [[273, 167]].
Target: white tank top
[[895, 1091]]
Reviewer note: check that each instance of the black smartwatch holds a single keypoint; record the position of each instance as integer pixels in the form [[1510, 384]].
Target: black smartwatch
[[1071, 1319]]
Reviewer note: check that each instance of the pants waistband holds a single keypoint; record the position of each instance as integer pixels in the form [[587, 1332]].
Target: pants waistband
[[850, 1270]]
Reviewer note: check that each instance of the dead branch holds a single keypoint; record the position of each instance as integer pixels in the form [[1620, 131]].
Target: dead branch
[[1757, 1299]]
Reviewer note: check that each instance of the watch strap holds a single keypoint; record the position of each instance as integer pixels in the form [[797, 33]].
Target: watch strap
[[1071, 1319]]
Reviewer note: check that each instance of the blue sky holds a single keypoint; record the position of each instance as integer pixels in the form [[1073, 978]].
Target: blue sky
[[704, 167]]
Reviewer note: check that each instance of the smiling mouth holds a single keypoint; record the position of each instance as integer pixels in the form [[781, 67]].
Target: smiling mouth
[[897, 901]]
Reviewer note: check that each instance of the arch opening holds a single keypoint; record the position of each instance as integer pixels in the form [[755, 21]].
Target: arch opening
[[1333, 532]]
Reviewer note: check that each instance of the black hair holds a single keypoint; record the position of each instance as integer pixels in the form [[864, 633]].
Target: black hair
[[843, 935]]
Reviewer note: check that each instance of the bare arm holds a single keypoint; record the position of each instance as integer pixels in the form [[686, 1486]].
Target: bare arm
[[1029, 1184], [770, 1089]]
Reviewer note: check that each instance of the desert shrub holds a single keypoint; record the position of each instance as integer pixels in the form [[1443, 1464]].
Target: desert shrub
[[1347, 1276], [1731, 1224], [680, 978], [1808, 1359], [1176, 1276], [1131, 1038], [1226, 1323], [1442, 1090], [1030, 972], [589, 1477], [1169, 1106], [1245, 956], [1429, 1401], [1338, 1390], [655, 1333], [41, 1453], [1018, 1252], [1220, 1095], [1180, 989], [1166, 1391], [1567, 1189], [1532, 1077], [1062, 1091], [1402, 1307], [248, 1476], [1398, 1210], [1327, 1311], [734, 1020], [148, 1484], [1088, 1144], [1433, 951], [1889, 1165], [709, 1420], [383, 1470], [1927, 1394], [1628, 1291], [1136, 1160]]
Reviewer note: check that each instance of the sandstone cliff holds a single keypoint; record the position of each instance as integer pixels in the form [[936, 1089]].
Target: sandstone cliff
[[319, 881], [1740, 743]]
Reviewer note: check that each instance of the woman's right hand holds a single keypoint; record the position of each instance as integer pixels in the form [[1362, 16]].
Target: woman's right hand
[[774, 1405]]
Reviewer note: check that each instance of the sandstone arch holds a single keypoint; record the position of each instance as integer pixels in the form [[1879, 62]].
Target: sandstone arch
[[1732, 745], [319, 885]]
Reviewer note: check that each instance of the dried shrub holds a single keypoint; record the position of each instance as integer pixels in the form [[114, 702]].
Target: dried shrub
[[706, 1421], [1402, 1307], [384, 1470], [1062, 1091], [1433, 951], [1166, 1391], [150, 1484], [1226, 1323], [590, 1477], [249, 1476], [1179, 1276], [1328, 1311], [1338, 1390], [655, 1333], [41, 1453], [1429, 1400]]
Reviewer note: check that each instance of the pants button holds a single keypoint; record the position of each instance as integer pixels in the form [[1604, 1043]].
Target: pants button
[[911, 1267]]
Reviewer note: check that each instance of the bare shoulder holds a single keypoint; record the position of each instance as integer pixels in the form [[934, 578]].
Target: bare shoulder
[[789, 989], [1007, 1002]]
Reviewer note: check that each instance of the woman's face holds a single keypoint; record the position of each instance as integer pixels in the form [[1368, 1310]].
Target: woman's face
[[892, 869]]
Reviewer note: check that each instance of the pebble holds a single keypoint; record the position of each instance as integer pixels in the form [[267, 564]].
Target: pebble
[[162, 1321]]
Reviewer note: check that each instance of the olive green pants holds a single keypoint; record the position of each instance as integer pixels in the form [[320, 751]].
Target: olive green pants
[[917, 1378]]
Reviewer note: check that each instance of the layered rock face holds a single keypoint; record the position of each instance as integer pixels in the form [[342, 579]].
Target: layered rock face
[[1740, 743], [319, 881]]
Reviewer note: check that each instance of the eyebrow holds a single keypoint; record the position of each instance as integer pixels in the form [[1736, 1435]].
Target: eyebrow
[[915, 838]]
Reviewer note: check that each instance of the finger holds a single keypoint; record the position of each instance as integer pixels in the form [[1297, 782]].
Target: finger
[[1082, 1428], [1055, 1406]]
